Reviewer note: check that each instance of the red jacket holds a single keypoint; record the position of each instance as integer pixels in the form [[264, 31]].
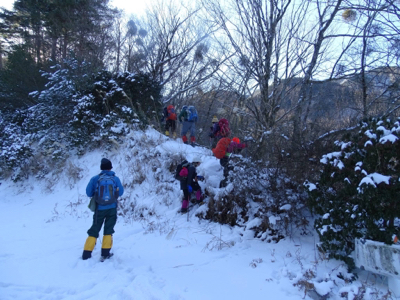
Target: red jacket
[[220, 150]]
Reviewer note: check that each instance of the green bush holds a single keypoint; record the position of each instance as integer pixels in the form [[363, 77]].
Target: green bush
[[356, 195]]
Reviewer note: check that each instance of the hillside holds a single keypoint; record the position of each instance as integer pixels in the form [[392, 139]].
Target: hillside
[[159, 253]]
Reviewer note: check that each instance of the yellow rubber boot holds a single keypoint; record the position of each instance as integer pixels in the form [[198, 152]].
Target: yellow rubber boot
[[167, 133], [88, 248], [106, 246]]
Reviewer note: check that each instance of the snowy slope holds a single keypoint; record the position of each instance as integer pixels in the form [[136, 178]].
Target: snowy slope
[[159, 254]]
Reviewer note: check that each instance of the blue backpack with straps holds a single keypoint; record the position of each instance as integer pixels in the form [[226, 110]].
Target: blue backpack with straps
[[192, 114], [107, 191]]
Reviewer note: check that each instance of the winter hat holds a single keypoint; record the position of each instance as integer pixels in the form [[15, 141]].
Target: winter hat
[[214, 120], [196, 159], [105, 164], [236, 140]]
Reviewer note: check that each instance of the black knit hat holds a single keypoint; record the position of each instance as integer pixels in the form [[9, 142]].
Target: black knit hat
[[105, 164]]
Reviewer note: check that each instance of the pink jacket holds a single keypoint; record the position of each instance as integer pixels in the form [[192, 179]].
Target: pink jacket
[[234, 147]]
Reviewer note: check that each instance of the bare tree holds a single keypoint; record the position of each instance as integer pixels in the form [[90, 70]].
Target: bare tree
[[326, 14], [119, 38], [374, 56], [277, 47], [174, 47]]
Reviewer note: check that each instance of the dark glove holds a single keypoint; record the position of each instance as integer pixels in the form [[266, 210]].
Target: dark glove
[[190, 188], [201, 178]]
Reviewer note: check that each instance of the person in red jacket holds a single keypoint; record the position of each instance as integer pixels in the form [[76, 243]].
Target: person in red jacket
[[170, 121], [225, 147]]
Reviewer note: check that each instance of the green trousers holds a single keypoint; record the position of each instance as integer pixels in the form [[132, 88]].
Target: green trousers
[[108, 217]]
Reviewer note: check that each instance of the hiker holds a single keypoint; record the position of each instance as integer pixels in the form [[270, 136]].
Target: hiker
[[188, 118], [189, 182], [225, 147], [213, 130], [170, 120], [235, 146], [106, 188], [223, 129]]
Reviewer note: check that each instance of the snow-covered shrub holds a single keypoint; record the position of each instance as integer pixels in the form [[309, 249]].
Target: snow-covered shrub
[[14, 146], [262, 199], [143, 94], [150, 170], [112, 106], [76, 112], [22, 133], [356, 195]]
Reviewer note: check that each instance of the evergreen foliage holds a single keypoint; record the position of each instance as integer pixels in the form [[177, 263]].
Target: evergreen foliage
[[74, 113], [112, 103], [356, 195], [20, 76]]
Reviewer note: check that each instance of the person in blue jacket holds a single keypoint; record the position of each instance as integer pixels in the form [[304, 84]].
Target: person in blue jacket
[[106, 210]]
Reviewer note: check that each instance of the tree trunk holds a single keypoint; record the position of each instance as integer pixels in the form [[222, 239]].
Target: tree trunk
[[53, 49], [1, 56], [298, 123], [64, 49]]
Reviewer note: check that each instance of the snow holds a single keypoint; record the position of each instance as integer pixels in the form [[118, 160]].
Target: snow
[[344, 146], [333, 156], [368, 143], [285, 207], [273, 219], [324, 229], [374, 179], [254, 223], [324, 287], [388, 138], [367, 180], [161, 256], [369, 134], [118, 128], [312, 187], [384, 130]]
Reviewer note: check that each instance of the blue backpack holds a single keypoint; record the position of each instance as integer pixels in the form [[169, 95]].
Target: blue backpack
[[107, 191], [192, 114]]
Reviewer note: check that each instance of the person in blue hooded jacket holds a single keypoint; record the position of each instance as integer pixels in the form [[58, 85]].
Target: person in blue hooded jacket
[[106, 212]]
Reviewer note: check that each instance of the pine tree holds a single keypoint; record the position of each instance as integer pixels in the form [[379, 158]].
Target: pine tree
[[357, 193]]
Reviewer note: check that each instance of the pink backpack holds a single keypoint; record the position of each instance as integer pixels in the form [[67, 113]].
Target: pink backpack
[[184, 172]]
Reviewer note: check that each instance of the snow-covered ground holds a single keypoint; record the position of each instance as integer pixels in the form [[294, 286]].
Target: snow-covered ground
[[159, 253]]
